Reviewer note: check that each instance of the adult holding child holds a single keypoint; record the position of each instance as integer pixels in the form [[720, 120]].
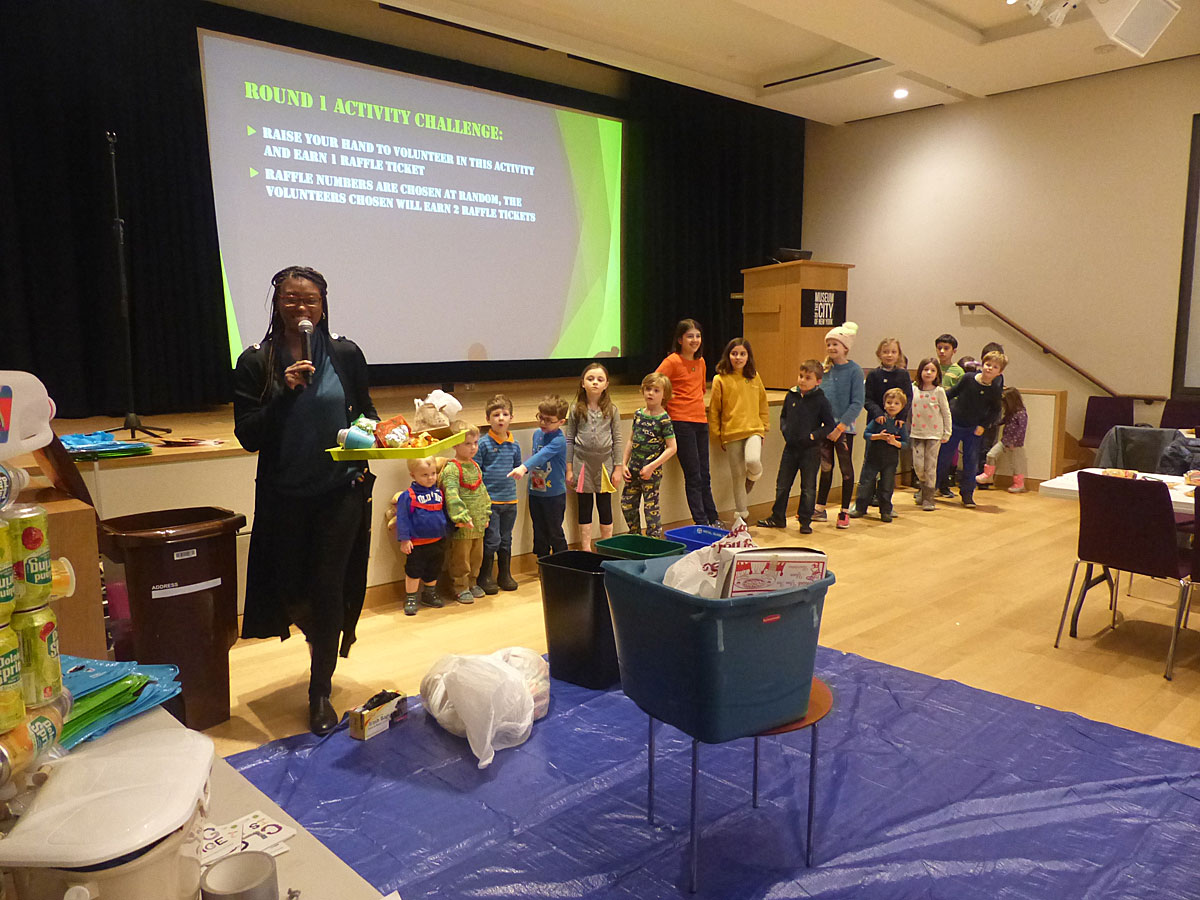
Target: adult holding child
[[686, 369], [312, 514]]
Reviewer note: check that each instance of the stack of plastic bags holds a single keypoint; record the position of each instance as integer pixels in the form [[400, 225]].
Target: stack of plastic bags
[[107, 693], [102, 445]]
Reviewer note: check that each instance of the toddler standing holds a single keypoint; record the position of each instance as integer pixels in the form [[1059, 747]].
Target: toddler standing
[[652, 444], [929, 428], [421, 531], [547, 470], [469, 508], [884, 442], [738, 417], [843, 385], [1011, 446], [498, 455], [594, 445], [805, 419]]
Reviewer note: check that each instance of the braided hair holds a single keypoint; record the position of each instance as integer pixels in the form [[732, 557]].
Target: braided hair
[[276, 324]]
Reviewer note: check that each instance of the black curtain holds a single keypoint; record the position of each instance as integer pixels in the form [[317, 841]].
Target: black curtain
[[713, 186], [72, 71]]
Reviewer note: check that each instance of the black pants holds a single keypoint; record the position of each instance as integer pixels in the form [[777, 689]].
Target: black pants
[[547, 514], [309, 567], [583, 508], [842, 447], [691, 439], [882, 470], [806, 461]]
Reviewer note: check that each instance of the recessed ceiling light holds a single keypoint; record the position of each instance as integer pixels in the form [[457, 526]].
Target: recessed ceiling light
[[900, 93]]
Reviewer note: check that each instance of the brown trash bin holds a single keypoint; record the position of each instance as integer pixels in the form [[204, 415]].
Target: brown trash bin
[[181, 577]]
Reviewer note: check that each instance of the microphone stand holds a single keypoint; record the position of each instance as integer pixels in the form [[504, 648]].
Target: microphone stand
[[132, 421]]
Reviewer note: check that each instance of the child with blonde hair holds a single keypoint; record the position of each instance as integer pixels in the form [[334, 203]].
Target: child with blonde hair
[[929, 428], [652, 443], [738, 417], [843, 386], [421, 531], [884, 442], [470, 509], [594, 452], [1011, 446]]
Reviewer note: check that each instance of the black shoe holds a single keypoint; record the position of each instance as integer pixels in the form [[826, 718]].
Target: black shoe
[[429, 597], [504, 572], [885, 517], [946, 492], [857, 513], [321, 717], [805, 528], [771, 522], [410, 605]]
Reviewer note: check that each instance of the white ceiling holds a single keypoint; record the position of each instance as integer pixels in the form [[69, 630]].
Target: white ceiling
[[832, 61]]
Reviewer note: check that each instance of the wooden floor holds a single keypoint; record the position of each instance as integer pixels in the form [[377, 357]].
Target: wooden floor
[[967, 595]]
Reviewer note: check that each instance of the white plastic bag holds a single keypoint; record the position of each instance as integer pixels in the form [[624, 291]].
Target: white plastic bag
[[485, 699], [702, 572], [536, 672]]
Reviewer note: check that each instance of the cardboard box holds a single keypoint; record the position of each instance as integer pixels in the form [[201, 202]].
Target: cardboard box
[[366, 721], [759, 570]]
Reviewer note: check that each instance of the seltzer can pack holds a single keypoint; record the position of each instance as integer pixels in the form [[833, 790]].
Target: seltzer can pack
[[12, 704], [8, 584], [41, 669], [28, 527]]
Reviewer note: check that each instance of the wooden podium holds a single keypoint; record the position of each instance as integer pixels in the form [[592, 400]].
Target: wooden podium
[[786, 310]]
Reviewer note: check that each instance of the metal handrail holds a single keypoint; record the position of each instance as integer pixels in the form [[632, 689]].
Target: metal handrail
[[1046, 348]]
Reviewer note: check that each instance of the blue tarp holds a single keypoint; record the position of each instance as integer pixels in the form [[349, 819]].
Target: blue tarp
[[926, 789]]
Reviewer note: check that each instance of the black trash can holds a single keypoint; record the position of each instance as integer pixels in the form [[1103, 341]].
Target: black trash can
[[181, 580], [579, 631]]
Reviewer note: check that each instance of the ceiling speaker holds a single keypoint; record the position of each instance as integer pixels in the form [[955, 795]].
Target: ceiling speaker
[[1134, 24]]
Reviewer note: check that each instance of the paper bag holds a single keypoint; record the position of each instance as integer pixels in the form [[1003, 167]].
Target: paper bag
[[703, 572]]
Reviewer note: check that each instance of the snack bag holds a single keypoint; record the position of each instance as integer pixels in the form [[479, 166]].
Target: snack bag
[[702, 572], [393, 432]]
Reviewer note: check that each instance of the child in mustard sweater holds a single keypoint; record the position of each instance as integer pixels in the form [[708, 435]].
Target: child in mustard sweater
[[737, 417]]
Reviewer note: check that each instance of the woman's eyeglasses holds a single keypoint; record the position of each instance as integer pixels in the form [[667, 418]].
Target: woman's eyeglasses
[[300, 299]]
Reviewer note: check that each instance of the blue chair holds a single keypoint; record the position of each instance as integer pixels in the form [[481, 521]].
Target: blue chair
[[716, 669]]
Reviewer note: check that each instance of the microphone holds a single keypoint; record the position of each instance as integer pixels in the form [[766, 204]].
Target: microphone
[[306, 332]]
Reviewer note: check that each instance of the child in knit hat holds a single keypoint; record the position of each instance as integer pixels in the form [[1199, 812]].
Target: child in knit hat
[[843, 386]]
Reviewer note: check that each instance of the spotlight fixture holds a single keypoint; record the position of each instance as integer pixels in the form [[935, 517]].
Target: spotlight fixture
[[900, 93]]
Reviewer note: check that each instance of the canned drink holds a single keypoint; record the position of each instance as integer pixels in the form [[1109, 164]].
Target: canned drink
[[28, 527], [41, 669], [32, 737], [8, 584], [12, 703]]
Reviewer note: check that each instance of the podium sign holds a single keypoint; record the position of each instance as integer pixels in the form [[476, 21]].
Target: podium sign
[[822, 309]]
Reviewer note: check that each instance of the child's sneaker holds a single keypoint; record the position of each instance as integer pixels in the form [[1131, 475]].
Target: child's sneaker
[[968, 503], [429, 597], [1017, 489], [466, 597], [843, 519], [410, 605], [819, 515], [805, 528], [477, 591], [855, 513], [946, 492], [771, 522], [885, 517]]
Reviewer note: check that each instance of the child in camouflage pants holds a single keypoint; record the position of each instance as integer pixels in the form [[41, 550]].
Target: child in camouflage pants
[[652, 444]]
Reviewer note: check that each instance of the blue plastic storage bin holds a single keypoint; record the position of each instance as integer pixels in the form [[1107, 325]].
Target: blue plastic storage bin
[[695, 537], [715, 669]]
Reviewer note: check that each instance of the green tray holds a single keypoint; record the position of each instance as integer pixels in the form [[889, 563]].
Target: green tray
[[434, 449]]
